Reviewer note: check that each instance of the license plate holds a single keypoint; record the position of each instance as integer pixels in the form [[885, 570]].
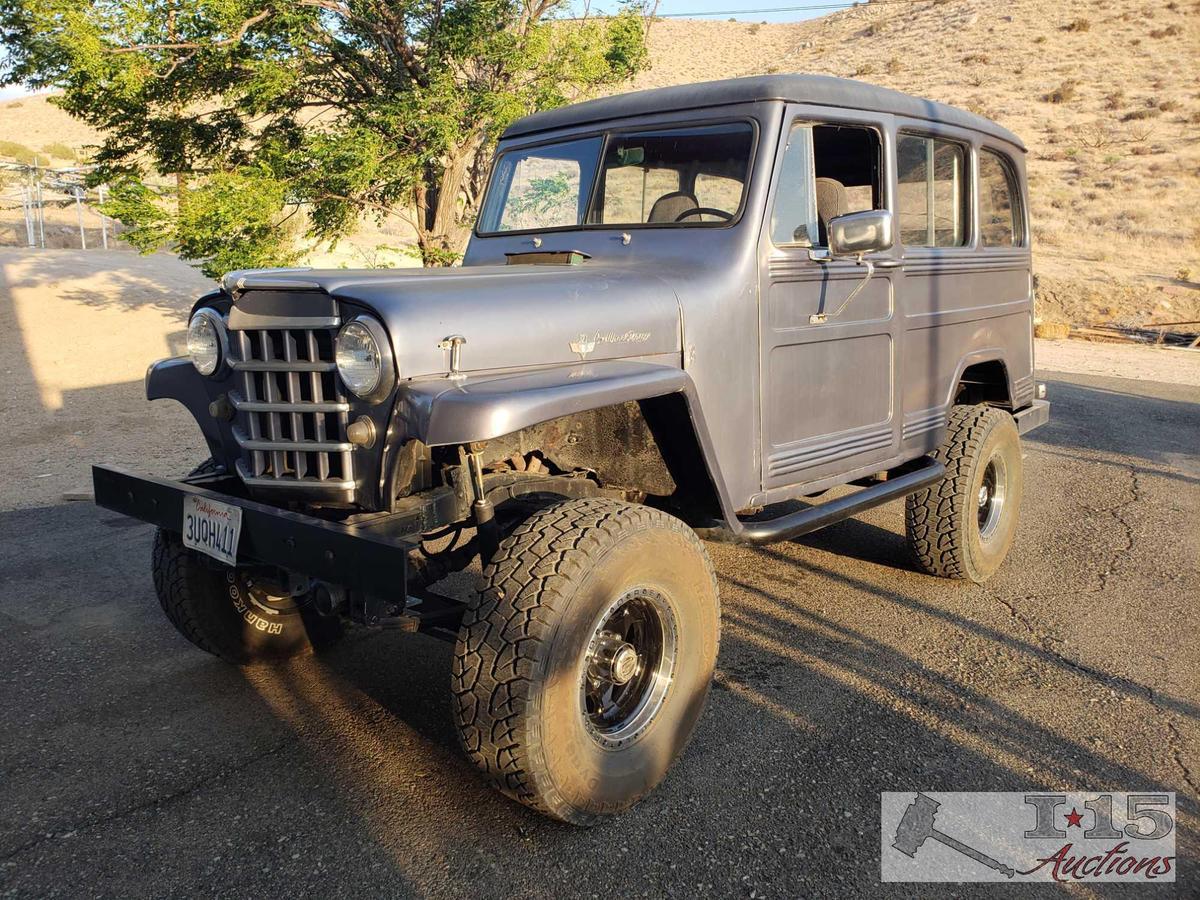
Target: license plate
[[212, 527]]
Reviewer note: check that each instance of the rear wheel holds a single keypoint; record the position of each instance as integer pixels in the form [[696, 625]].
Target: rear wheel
[[963, 526], [583, 665]]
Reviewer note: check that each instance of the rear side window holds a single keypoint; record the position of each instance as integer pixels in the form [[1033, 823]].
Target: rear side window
[[999, 212], [932, 195]]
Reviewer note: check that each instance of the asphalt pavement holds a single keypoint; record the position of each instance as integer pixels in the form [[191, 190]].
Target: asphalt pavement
[[132, 764]]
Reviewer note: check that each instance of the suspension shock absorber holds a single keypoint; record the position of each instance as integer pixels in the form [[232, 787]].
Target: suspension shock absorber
[[482, 509]]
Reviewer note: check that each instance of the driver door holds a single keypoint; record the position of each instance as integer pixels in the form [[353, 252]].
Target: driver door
[[829, 390]]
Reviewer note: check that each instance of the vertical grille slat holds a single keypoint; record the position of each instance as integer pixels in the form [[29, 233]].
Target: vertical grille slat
[[258, 459], [318, 395], [291, 415], [299, 457], [271, 395]]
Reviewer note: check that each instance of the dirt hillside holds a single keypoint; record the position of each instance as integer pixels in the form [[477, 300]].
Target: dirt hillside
[[1105, 94]]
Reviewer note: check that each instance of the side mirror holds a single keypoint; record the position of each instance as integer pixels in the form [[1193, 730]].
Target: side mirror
[[862, 232]]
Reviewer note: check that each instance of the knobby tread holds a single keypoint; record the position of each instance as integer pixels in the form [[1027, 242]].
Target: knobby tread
[[176, 584], [933, 517], [506, 632]]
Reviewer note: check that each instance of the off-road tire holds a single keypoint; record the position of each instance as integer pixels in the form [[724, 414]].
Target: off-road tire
[[942, 522], [519, 662], [212, 606], [209, 467]]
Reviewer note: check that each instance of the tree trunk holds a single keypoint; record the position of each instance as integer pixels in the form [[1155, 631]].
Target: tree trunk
[[444, 213]]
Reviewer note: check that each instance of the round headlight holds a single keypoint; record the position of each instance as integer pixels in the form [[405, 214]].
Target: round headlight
[[204, 341], [364, 358]]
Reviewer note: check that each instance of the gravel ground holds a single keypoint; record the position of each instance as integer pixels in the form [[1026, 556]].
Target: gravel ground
[[135, 765]]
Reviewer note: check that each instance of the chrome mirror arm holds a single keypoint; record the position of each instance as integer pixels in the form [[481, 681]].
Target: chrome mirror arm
[[825, 257]]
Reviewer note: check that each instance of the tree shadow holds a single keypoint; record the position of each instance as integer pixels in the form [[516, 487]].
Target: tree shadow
[[108, 279]]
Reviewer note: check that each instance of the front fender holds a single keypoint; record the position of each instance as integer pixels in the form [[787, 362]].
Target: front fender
[[482, 407], [177, 379]]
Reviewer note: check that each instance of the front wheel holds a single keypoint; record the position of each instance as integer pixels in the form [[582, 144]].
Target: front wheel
[[963, 526], [584, 663], [234, 613]]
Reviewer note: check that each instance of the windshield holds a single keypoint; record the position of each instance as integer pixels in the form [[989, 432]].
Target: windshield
[[676, 177]]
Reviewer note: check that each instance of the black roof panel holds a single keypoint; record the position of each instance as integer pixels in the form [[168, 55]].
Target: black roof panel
[[821, 90]]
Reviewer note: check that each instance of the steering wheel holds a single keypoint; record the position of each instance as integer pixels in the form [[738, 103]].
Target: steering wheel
[[704, 210]]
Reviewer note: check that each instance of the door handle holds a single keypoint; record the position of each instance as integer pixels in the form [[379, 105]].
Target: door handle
[[889, 263]]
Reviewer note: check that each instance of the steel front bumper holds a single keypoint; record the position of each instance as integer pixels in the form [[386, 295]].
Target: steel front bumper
[[339, 554]]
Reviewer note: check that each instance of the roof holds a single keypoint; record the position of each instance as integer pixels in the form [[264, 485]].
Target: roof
[[822, 90]]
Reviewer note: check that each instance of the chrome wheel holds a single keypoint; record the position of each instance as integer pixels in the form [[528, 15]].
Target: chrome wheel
[[628, 667], [990, 499]]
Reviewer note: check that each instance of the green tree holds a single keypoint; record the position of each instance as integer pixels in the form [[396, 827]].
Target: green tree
[[256, 108]]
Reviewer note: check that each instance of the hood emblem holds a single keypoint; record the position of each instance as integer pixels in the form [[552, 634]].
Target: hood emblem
[[583, 346], [586, 343]]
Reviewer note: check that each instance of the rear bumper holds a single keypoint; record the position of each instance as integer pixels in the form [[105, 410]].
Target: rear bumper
[[1031, 417], [338, 554]]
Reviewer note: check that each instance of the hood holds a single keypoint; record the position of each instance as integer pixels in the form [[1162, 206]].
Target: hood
[[516, 316]]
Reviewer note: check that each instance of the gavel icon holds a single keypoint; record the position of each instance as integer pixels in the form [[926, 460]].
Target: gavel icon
[[916, 825]]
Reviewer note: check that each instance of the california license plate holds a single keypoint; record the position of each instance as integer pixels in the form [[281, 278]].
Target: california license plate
[[212, 527]]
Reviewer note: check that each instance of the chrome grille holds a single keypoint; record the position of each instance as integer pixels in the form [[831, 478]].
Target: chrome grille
[[291, 413]]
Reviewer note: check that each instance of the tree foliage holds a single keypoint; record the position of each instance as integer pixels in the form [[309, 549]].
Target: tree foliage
[[256, 108]]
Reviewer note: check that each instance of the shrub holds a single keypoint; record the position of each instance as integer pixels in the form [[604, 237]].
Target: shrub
[[60, 151], [1040, 39], [864, 69], [1168, 106], [1139, 114], [1078, 25], [18, 152], [1115, 99], [893, 65], [1064, 93], [1169, 31]]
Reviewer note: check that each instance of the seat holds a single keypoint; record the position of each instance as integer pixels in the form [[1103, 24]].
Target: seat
[[670, 207], [831, 202]]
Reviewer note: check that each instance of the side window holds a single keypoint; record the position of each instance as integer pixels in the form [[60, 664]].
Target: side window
[[794, 213], [1000, 223], [827, 171], [932, 200]]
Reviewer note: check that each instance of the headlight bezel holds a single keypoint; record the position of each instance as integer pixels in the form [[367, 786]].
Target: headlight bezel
[[387, 361], [217, 322]]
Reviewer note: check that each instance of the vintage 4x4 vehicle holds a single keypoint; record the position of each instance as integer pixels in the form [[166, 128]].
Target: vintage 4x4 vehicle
[[679, 309]]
